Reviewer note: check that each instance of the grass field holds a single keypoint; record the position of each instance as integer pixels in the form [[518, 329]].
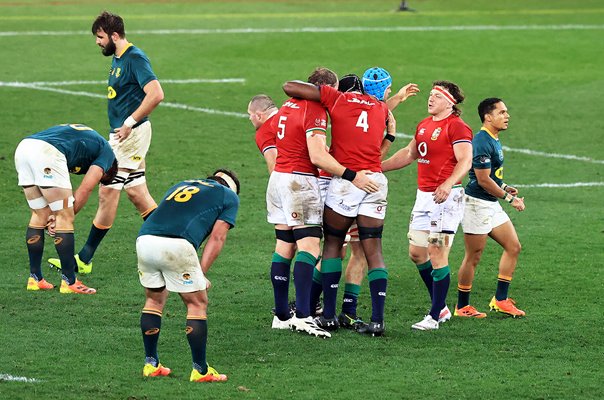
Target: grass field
[[544, 58]]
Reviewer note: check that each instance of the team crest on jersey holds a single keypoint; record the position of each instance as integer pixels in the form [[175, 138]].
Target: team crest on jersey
[[436, 133], [47, 173], [111, 92]]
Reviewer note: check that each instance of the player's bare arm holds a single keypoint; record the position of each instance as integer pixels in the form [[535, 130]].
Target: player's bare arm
[[463, 155], [322, 159], [401, 158], [410, 89], [390, 135], [270, 156], [90, 181], [154, 95], [214, 245], [302, 90], [483, 176]]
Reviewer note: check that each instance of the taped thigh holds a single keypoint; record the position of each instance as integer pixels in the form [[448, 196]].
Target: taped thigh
[[285, 235], [135, 178], [62, 204], [370, 233], [309, 231], [441, 239], [417, 238], [37, 204], [118, 181]]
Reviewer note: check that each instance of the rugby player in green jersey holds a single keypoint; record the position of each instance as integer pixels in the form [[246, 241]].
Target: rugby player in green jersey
[[133, 93], [190, 212], [483, 215], [43, 162]]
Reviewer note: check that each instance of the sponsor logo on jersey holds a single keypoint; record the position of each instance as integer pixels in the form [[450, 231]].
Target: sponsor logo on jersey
[[360, 101], [186, 279], [291, 105], [422, 131], [295, 215], [47, 173], [75, 170], [111, 92], [499, 173], [136, 158], [423, 161], [484, 159], [344, 206], [436, 133], [321, 122]]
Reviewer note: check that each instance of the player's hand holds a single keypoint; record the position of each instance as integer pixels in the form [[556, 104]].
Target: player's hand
[[122, 133], [518, 203], [363, 182], [511, 190], [410, 89], [51, 225], [441, 193], [391, 128], [208, 284]]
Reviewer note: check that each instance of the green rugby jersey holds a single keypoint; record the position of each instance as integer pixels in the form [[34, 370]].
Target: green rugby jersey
[[129, 74], [486, 153], [81, 145], [189, 210]]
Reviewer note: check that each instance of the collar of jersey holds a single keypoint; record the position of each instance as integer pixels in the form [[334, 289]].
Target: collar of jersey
[[127, 47], [489, 132]]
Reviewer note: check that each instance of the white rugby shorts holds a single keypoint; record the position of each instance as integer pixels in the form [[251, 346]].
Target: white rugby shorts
[[170, 262], [294, 199], [131, 152], [348, 200], [482, 216], [429, 216], [41, 164]]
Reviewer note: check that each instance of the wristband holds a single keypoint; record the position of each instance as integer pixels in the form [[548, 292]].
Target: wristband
[[509, 198], [390, 137], [504, 185], [130, 122], [349, 175]]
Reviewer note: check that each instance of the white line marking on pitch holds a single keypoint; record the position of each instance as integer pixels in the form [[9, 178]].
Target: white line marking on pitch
[[561, 185], [324, 30], [241, 115], [12, 378], [70, 83]]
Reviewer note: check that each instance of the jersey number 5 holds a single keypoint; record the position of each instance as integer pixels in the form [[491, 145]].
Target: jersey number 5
[[362, 121], [182, 194], [281, 125]]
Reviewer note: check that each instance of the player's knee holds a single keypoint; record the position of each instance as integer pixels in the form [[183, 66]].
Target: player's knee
[[441, 239], [514, 248], [370, 233]]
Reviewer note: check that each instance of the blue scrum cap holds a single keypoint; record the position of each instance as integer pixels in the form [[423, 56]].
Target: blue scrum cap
[[375, 81]]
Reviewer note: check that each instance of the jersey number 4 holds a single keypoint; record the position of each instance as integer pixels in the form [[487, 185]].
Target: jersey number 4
[[362, 121]]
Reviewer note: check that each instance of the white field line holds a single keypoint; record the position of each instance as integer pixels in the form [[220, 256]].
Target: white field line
[[241, 115], [561, 185], [12, 378], [311, 29], [70, 83]]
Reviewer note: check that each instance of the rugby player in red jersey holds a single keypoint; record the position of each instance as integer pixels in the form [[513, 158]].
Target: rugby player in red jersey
[[442, 147], [358, 122], [261, 110]]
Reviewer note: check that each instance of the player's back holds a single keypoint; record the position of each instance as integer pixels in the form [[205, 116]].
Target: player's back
[[189, 210], [81, 145], [295, 119], [358, 122]]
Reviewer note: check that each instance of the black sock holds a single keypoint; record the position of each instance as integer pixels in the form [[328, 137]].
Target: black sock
[[34, 238], [197, 335], [64, 243], [150, 327], [95, 237]]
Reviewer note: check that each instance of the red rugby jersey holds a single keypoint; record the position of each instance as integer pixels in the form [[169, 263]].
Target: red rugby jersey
[[358, 122], [434, 141], [266, 135], [295, 118]]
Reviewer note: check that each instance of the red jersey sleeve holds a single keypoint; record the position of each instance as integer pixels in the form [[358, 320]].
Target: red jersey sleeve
[[266, 136], [315, 118], [459, 131], [329, 96]]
